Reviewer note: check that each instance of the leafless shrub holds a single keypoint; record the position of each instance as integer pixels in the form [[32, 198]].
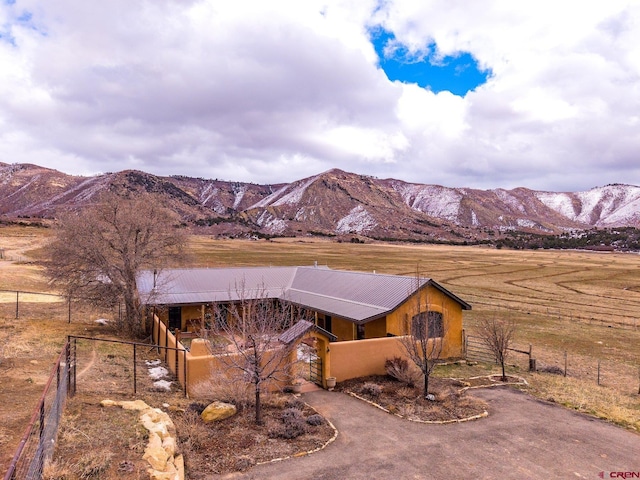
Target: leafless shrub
[[193, 434], [291, 414], [293, 425], [315, 420], [497, 336], [295, 403], [400, 369], [372, 389]]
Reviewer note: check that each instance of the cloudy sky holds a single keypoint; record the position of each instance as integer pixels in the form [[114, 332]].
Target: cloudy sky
[[484, 94]]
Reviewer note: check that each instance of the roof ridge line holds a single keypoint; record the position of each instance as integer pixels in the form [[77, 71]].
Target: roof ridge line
[[382, 309]]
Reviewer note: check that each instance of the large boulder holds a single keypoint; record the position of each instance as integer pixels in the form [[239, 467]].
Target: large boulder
[[218, 411]]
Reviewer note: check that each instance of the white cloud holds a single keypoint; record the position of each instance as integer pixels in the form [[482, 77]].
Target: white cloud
[[275, 91]]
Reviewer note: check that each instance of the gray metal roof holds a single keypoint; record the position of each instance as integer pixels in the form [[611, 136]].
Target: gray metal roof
[[299, 329], [206, 285], [357, 296]]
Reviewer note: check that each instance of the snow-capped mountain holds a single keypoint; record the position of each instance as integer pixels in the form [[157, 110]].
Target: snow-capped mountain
[[333, 203]]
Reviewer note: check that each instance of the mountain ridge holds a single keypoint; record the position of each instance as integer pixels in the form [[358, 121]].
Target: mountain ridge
[[332, 203]]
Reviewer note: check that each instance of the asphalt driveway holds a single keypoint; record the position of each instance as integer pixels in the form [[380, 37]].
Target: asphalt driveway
[[522, 438]]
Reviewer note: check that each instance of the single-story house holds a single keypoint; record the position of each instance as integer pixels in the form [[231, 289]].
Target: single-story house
[[349, 305]]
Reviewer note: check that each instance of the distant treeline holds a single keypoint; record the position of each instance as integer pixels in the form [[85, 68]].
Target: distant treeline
[[605, 239]]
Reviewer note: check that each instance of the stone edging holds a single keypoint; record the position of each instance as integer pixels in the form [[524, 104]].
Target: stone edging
[[309, 452], [431, 422], [521, 381]]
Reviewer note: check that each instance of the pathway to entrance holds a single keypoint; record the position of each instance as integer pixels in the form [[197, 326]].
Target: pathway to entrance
[[523, 438]]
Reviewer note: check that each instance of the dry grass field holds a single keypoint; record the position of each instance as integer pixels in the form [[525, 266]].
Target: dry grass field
[[583, 303], [586, 304]]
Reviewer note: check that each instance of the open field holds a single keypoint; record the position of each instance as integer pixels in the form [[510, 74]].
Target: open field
[[583, 303], [586, 304]]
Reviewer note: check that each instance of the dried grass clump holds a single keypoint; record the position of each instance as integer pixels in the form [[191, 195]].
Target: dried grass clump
[[371, 389], [93, 464], [57, 470], [193, 434], [400, 369], [230, 389]]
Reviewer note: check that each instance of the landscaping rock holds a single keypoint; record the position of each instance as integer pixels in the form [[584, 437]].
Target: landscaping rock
[[218, 411]]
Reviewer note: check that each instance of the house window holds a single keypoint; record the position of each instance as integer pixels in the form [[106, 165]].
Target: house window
[[360, 332], [427, 325]]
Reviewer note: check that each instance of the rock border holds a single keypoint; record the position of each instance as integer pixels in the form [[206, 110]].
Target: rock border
[[309, 452], [429, 422], [160, 453], [521, 381]]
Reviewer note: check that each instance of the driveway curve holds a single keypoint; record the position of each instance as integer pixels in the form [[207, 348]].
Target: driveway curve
[[523, 438]]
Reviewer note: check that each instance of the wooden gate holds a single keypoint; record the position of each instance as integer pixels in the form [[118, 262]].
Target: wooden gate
[[315, 369], [477, 351]]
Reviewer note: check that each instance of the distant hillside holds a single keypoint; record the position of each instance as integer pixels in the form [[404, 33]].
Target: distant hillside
[[334, 203]]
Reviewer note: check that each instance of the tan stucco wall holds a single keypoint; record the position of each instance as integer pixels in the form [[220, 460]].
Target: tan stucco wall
[[359, 358], [199, 368]]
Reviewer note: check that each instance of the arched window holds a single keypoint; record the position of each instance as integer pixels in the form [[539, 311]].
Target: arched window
[[427, 325]]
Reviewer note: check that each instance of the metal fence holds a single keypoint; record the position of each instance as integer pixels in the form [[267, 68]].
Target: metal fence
[[23, 304], [125, 364], [476, 350], [38, 441]]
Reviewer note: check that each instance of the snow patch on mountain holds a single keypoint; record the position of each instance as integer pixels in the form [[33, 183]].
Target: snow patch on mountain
[[559, 202], [271, 224], [238, 192], [295, 195], [510, 200], [268, 200], [525, 223], [609, 205], [433, 200], [358, 221]]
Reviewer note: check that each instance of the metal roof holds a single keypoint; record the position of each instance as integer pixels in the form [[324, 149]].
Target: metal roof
[[206, 285], [357, 296], [299, 329]]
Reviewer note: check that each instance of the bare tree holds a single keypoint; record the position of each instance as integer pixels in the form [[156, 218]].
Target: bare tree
[[252, 324], [497, 336], [423, 335], [98, 252]]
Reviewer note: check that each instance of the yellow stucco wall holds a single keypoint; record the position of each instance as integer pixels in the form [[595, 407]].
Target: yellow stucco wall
[[376, 329], [343, 329], [434, 300]]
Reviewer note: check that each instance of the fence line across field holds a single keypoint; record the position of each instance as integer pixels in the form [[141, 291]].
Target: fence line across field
[[36, 445], [73, 341]]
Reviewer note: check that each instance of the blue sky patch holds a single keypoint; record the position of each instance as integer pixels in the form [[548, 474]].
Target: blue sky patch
[[458, 74]]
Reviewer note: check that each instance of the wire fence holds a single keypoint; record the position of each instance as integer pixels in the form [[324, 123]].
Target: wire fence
[[18, 304], [38, 441]]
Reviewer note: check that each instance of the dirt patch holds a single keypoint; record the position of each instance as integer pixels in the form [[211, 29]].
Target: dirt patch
[[237, 443], [450, 401]]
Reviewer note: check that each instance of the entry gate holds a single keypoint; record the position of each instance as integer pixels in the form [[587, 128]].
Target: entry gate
[[315, 369]]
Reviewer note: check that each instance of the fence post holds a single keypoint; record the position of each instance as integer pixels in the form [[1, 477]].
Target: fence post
[[565, 363], [184, 371], [75, 363], [134, 369], [17, 303]]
